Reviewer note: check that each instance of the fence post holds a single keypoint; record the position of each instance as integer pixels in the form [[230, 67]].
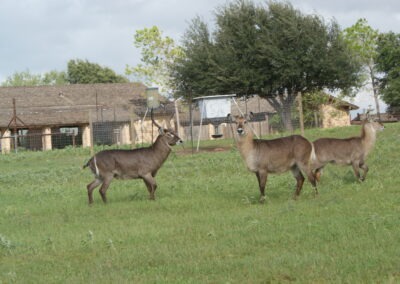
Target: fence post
[[300, 101], [178, 122], [132, 128], [91, 133]]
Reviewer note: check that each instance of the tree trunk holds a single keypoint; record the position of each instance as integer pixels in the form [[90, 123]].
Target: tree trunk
[[282, 103], [286, 116], [286, 112], [375, 91]]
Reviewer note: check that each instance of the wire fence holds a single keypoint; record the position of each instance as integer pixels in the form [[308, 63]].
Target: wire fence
[[121, 125]]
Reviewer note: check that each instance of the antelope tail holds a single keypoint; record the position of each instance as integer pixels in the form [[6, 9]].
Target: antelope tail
[[95, 165], [313, 156]]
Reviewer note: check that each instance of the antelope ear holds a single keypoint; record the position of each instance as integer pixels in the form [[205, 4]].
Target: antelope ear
[[161, 130], [251, 115]]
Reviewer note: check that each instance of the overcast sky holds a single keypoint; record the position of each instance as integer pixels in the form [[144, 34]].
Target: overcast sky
[[43, 35]]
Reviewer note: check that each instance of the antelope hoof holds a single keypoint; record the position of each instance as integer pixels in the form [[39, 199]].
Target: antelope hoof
[[262, 199]]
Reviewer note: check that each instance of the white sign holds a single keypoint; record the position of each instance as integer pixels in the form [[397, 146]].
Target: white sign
[[212, 108]]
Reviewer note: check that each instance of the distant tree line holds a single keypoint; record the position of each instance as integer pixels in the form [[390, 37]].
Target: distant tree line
[[78, 72]]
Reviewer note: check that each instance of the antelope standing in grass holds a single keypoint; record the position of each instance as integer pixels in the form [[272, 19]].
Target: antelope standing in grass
[[349, 151], [140, 163], [275, 156]]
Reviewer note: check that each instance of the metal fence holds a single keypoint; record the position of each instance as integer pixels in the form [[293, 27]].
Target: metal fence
[[138, 130]]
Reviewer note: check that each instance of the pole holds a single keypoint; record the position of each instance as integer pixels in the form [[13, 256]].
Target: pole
[[132, 128], [91, 133], [14, 119], [191, 120], [178, 124], [300, 101], [201, 123]]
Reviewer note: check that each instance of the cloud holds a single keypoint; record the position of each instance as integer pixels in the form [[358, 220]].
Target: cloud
[[43, 35]]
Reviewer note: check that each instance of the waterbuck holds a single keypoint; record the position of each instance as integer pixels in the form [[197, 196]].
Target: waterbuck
[[140, 163], [275, 156], [349, 151]]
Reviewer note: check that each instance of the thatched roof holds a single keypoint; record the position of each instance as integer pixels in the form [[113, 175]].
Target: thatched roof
[[339, 103], [71, 104]]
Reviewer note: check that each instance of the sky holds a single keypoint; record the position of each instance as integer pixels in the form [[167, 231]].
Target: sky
[[43, 35]]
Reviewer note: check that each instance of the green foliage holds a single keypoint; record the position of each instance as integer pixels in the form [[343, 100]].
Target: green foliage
[[26, 78], [362, 40], [79, 72], [55, 78], [158, 55], [274, 51], [387, 63], [258, 50], [192, 74], [85, 72], [205, 226], [311, 107]]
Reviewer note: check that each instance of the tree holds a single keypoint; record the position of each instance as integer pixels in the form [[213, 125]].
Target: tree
[[192, 74], [79, 72], [273, 51], [26, 78], [158, 54], [388, 49], [85, 72], [362, 40], [55, 78]]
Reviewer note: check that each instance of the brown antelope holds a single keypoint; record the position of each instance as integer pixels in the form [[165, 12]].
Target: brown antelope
[[349, 151], [275, 156], [140, 163]]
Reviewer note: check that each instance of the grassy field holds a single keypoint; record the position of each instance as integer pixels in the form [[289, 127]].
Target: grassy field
[[206, 225]]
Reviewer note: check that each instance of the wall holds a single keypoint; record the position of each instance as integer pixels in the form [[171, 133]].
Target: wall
[[333, 117]]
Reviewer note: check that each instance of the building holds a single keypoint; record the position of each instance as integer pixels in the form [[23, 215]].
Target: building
[[47, 117], [335, 112]]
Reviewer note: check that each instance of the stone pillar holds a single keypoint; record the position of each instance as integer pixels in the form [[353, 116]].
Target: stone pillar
[[5, 141], [46, 138], [125, 134], [86, 141]]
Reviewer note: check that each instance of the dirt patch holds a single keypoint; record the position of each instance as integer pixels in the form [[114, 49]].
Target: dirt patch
[[189, 151]]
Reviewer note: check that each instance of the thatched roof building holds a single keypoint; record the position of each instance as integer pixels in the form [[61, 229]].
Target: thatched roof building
[[56, 106]]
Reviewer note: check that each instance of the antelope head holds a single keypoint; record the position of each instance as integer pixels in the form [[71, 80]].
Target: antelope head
[[376, 125], [241, 122], [168, 135]]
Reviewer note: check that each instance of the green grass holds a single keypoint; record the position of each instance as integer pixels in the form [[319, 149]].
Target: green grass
[[206, 225]]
